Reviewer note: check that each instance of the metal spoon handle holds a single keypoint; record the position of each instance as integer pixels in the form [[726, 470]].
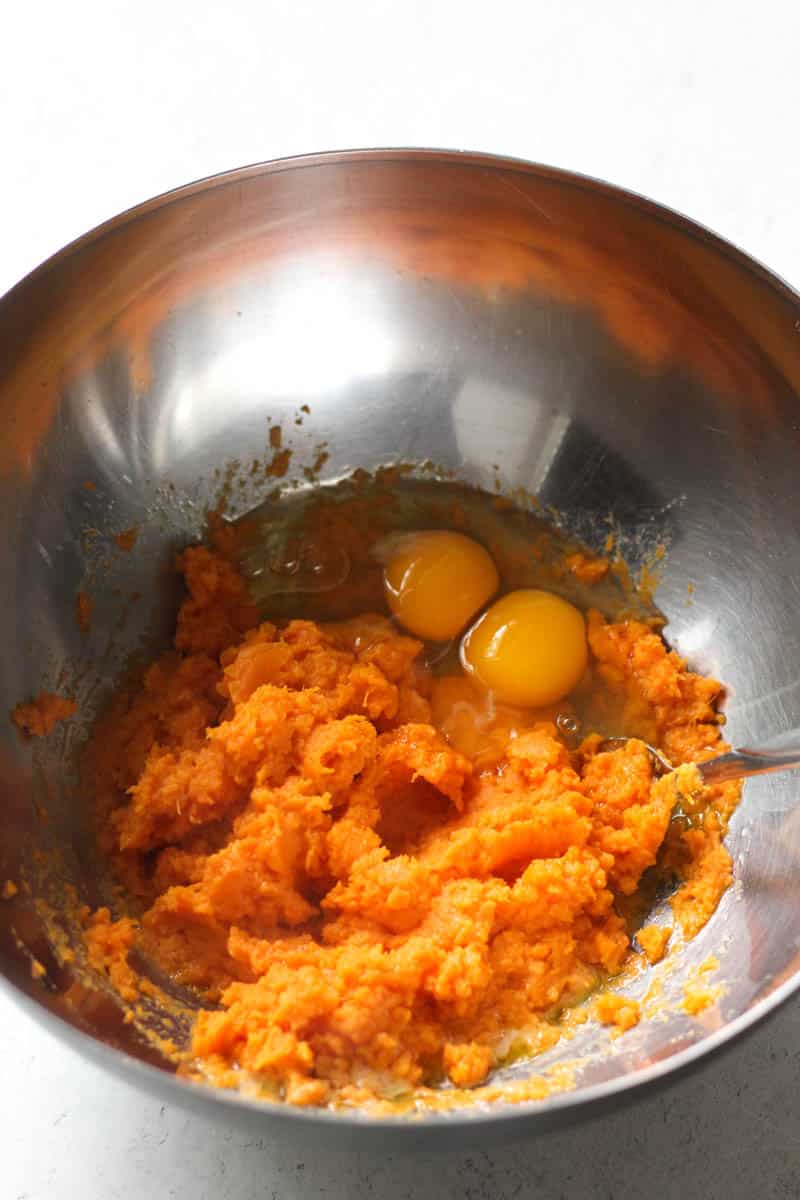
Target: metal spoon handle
[[778, 754], [739, 764]]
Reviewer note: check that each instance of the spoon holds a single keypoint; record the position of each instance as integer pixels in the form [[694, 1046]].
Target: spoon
[[777, 754]]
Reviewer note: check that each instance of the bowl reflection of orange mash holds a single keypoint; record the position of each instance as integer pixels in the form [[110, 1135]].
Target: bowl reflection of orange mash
[[372, 875]]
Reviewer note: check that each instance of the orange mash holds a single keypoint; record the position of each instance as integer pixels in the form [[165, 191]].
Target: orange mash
[[38, 717], [371, 875]]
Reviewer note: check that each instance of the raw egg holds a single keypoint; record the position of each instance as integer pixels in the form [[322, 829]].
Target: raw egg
[[435, 582], [529, 648], [477, 724]]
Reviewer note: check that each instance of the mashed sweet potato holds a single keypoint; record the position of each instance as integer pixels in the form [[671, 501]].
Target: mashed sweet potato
[[39, 717], [369, 886]]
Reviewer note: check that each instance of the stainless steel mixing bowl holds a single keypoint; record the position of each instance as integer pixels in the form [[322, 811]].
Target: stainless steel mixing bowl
[[493, 316]]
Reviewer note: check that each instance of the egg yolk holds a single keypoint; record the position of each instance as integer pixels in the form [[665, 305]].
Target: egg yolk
[[529, 648], [435, 581]]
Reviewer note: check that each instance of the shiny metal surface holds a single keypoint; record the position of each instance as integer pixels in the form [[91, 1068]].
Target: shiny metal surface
[[498, 318], [780, 753]]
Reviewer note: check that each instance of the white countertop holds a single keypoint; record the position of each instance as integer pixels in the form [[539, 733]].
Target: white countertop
[[694, 104]]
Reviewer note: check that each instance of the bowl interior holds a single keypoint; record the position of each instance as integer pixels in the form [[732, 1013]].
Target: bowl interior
[[513, 325]]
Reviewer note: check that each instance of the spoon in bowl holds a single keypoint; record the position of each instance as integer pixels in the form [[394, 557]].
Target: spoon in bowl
[[777, 754]]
